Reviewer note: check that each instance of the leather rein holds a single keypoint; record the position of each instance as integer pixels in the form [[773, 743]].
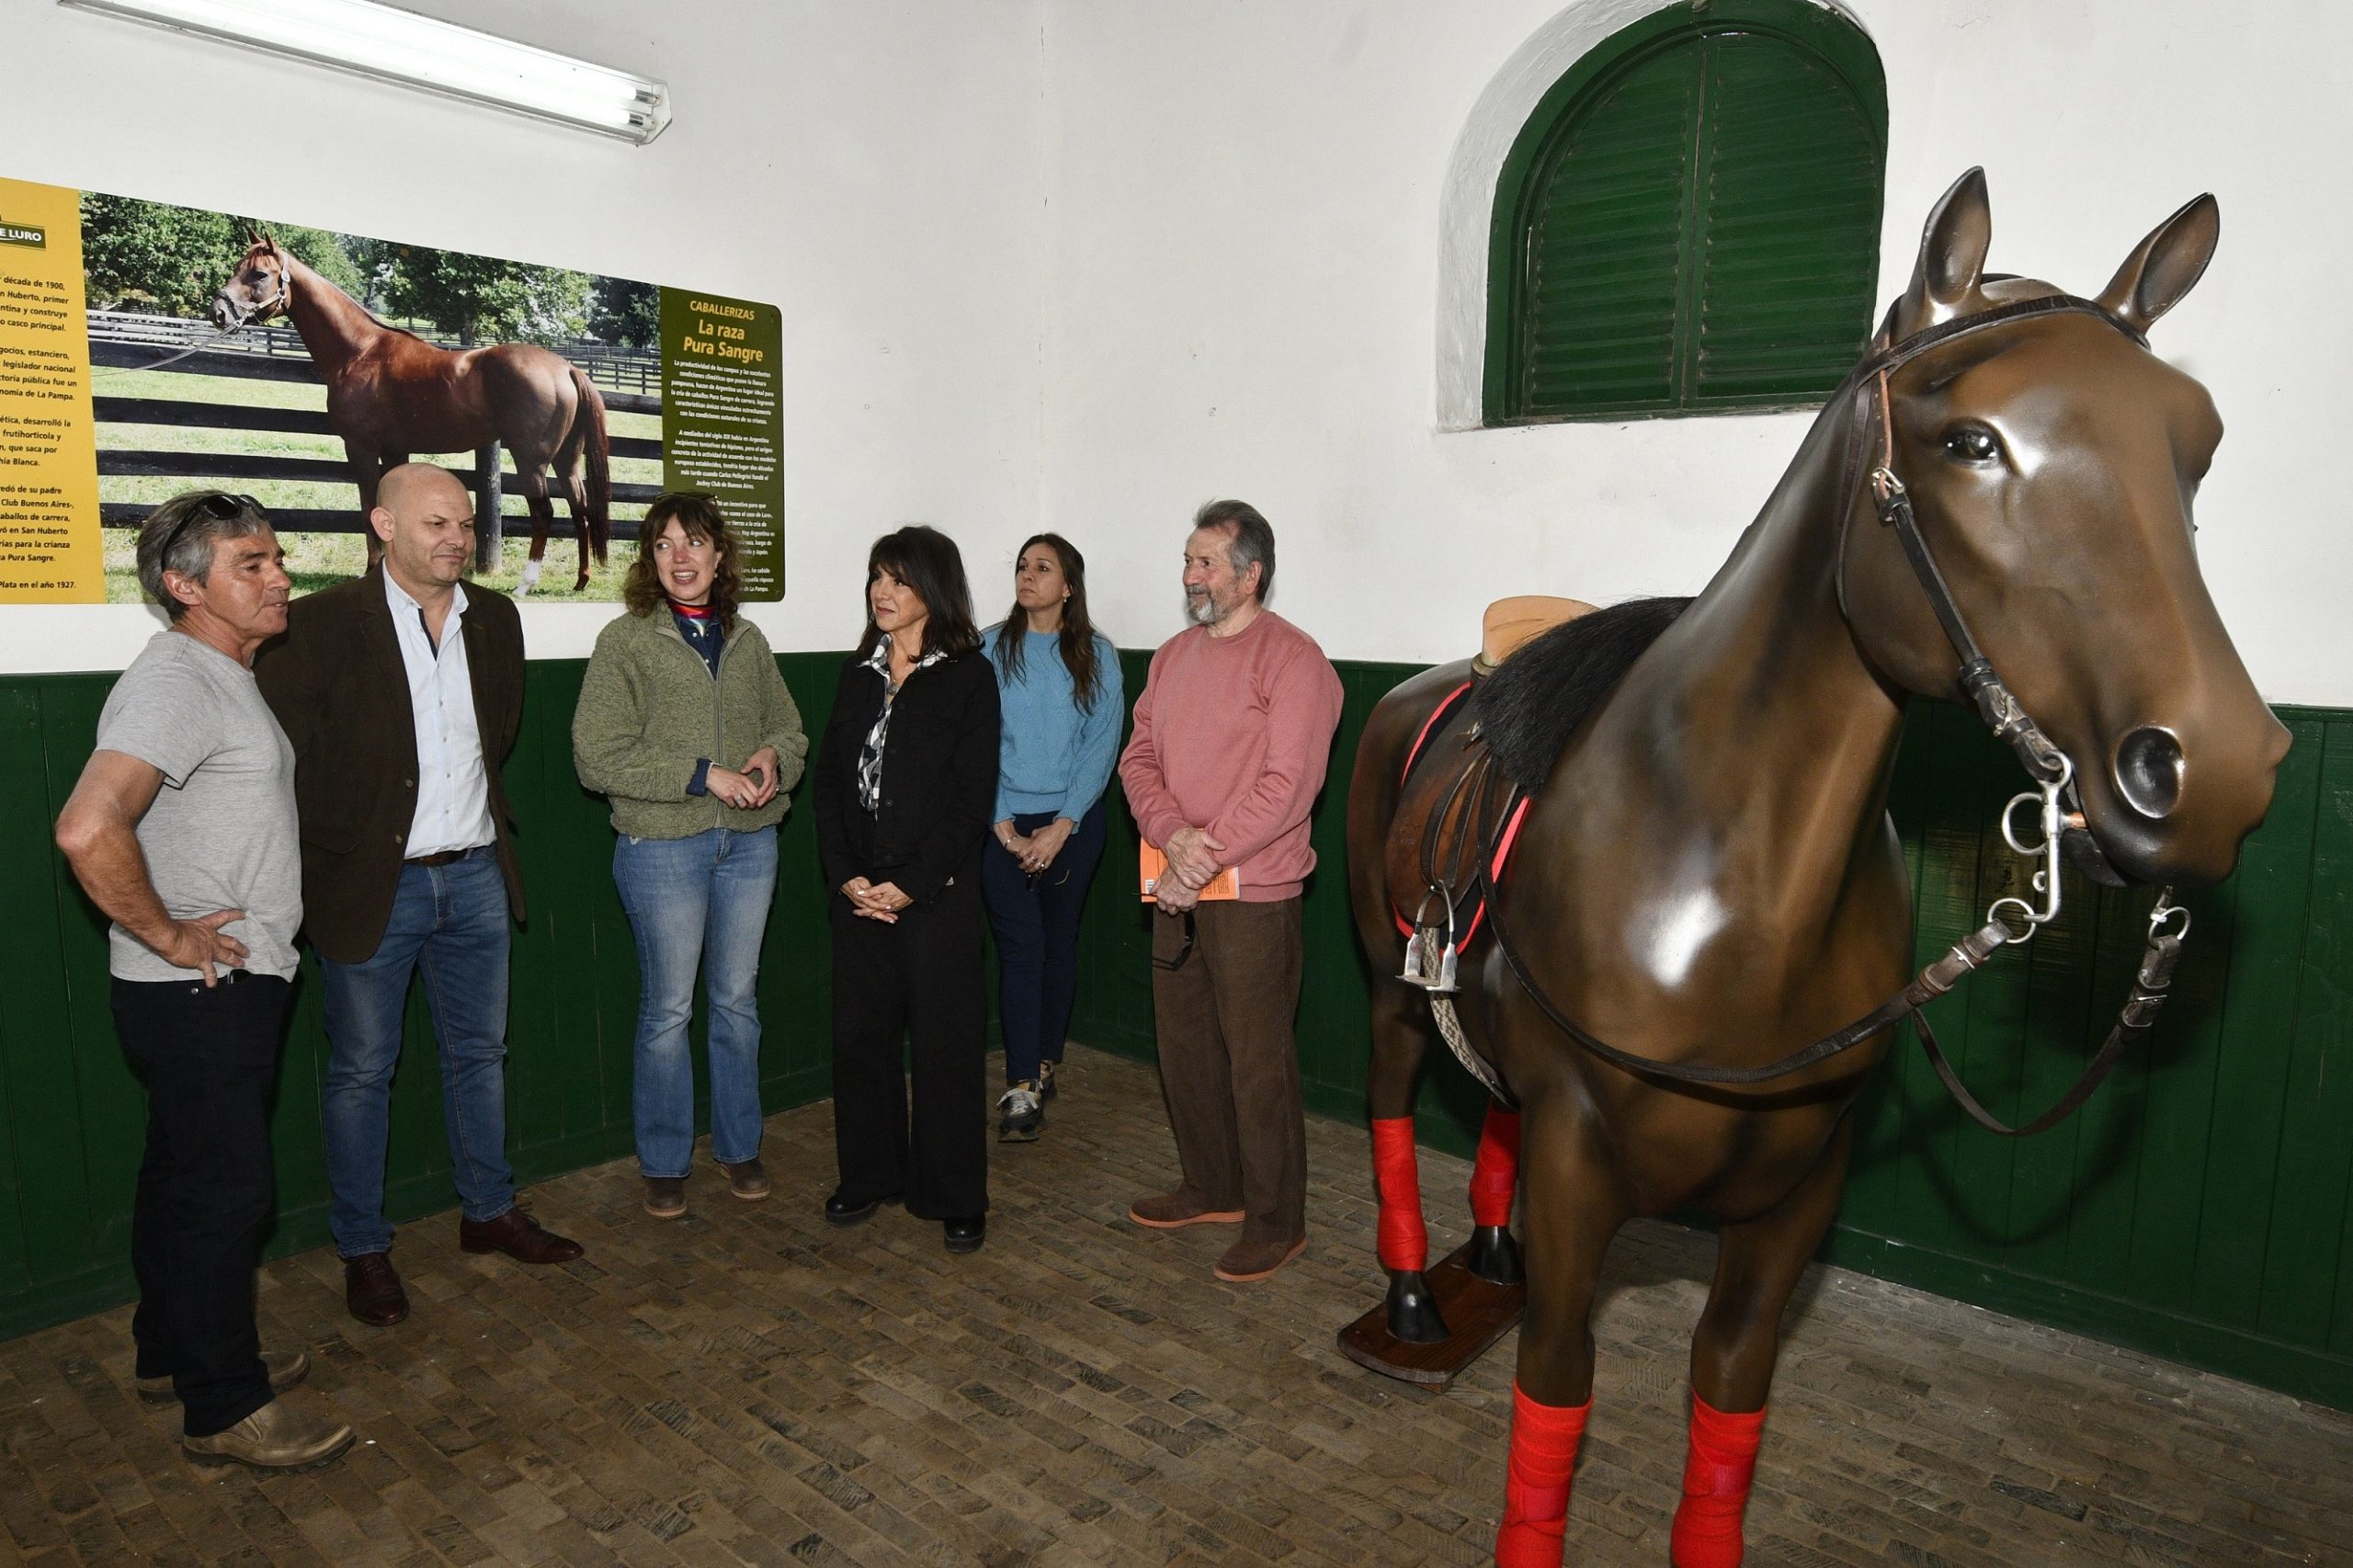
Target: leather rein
[[1867, 385]]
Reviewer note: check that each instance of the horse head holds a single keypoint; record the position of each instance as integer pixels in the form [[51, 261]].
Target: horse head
[[259, 287], [2052, 461]]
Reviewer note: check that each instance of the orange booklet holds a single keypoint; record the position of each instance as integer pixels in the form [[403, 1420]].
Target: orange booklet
[[1152, 866]]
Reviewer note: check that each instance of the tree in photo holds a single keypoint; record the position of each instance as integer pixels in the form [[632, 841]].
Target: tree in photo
[[479, 298], [152, 255], [625, 313]]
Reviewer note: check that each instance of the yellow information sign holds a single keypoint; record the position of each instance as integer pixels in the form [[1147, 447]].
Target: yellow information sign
[[48, 485]]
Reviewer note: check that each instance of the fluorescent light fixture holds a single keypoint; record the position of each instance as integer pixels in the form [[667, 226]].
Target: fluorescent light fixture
[[394, 45]]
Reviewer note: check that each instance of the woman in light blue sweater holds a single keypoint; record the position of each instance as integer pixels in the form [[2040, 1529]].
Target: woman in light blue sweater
[[1061, 701]]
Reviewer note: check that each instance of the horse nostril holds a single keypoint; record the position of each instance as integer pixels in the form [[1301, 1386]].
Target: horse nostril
[[2148, 771]]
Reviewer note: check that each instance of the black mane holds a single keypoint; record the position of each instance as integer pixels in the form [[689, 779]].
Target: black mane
[[1532, 705]]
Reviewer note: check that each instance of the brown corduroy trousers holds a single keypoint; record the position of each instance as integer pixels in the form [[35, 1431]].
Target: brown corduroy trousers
[[1228, 1062]]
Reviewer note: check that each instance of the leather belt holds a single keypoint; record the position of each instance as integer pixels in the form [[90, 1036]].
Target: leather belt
[[443, 856]]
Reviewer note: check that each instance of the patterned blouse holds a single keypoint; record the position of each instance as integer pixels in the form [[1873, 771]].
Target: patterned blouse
[[869, 755]]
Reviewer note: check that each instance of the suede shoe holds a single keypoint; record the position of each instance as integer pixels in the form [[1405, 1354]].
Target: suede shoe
[[840, 1210], [371, 1290], [666, 1196], [747, 1181], [285, 1368], [275, 1437], [1246, 1261], [518, 1235], [965, 1235], [1183, 1207]]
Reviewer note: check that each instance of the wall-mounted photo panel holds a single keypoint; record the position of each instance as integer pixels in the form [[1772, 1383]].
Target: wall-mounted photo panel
[[146, 349]]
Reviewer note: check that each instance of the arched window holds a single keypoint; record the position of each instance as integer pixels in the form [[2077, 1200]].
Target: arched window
[[1688, 222]]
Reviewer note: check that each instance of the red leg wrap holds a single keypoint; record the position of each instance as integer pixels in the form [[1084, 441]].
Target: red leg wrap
[[1496, 1173], [1536, 1483], [1717, 1468], [1404, 1244]]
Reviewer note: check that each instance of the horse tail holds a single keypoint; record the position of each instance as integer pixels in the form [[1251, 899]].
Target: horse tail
[[598, 448]]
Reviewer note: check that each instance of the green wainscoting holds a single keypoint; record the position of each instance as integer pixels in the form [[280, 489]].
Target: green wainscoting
[[2197, 1209]]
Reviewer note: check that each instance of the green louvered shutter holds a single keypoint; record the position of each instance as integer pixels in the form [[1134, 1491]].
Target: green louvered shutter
[[1689, 222], [1606, 246], [1791, 242]]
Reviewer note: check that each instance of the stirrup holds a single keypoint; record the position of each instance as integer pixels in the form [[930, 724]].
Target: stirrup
[[1417, 948]]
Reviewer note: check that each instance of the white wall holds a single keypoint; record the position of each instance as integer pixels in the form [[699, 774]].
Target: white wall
[[871, 169], [1248, 203], [1061, 263]]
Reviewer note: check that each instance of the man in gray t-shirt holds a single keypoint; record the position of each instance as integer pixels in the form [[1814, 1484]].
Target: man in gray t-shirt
[[182, 830]]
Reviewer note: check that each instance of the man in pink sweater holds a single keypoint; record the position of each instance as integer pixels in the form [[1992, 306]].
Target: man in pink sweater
[[1232, 732]]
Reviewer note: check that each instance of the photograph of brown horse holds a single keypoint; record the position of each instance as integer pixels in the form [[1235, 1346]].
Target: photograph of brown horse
[[1705, 874], [391, 394]]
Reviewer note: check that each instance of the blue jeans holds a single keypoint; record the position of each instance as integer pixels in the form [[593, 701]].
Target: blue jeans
[[449, 921], [703, 899], [1037, 939]]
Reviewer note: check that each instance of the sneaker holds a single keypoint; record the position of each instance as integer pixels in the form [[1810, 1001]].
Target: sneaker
[[1183, 1207], [285, 1368], [1046, 1080], [666, 1196], [275, 1437], [1018, 1116], [746, 1180], [1247, 1261]]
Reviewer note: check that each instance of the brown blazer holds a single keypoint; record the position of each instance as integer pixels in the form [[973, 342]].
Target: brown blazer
[[336, 681]]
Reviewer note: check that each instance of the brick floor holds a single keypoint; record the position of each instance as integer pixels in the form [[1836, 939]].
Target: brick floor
[[749, 1386]]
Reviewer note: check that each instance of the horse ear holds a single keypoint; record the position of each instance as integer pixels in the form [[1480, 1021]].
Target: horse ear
[[2166, 264], [1952, 257]]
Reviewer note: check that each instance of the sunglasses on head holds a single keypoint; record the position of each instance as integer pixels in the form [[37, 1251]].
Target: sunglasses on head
[[218, 504]]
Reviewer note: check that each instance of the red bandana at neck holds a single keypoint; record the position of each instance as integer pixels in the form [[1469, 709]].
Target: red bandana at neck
[[692, 612]]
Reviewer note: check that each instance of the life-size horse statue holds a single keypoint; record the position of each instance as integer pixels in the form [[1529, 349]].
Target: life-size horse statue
[[1703, 875], [391, 394]]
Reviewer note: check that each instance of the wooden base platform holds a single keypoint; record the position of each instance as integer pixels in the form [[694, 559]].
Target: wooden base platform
[[1477, 1313]]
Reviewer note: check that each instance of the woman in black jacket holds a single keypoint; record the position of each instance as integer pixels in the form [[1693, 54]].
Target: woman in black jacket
[[905, 780]]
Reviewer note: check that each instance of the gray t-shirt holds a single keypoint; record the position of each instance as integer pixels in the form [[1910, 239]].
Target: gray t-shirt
[[222, 834]]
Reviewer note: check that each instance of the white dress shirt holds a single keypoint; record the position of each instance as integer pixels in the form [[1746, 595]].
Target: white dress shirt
[[452, 793]]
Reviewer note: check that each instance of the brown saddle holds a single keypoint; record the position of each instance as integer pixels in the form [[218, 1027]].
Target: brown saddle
[[1454, 801]]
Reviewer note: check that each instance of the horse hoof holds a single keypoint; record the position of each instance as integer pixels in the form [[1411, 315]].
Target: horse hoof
[[1494, 1257], [1413, 1315]]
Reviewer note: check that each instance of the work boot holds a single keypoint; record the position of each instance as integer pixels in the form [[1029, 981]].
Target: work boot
[[1018, 1116], [746, 1179], [275, 1437], [666, 1196]]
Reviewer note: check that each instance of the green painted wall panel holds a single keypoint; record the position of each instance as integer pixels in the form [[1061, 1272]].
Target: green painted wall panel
[[2197, 1209]]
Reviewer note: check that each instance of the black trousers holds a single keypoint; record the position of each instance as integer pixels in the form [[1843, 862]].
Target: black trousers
[[918, 982], [205, 1186]]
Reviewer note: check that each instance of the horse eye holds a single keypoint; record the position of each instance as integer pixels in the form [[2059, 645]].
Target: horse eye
[[1972, 443]]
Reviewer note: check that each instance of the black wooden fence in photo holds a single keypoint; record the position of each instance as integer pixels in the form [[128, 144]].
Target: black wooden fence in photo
[[267, 362]]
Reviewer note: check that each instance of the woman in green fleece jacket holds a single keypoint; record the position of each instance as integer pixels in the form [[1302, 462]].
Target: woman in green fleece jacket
[[685, 724]]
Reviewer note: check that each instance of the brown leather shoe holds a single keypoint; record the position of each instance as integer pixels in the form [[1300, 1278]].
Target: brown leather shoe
[[371, 1290], [1182, 1207], [273, 1438], [1246, 1261], [285, 1368], [518, 1235], [748, 1180]]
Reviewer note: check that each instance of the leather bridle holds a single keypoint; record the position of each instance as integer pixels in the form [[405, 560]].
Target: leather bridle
[[1866, 386]]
